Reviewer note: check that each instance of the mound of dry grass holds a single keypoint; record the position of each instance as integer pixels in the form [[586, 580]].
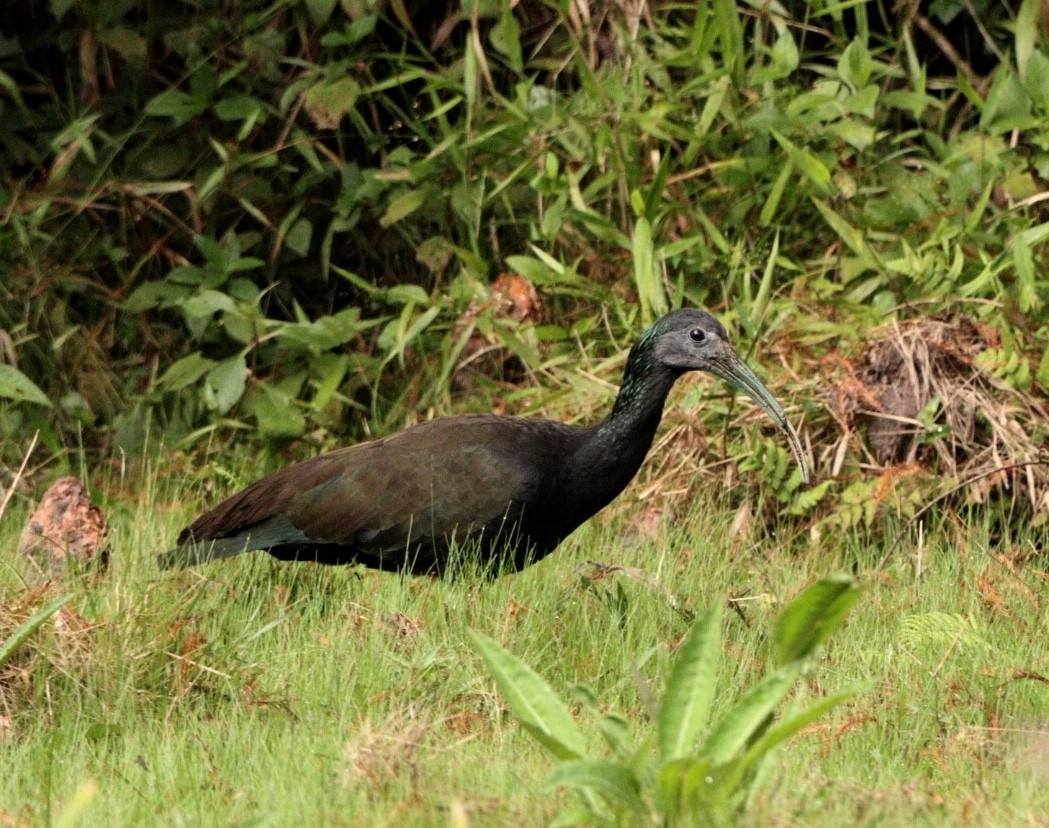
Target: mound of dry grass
[[920, 395]]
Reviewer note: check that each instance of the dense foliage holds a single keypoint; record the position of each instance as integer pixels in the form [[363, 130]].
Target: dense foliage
[[287, 216]]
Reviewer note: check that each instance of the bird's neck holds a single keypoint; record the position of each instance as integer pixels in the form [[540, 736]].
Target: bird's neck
[[616, 447]]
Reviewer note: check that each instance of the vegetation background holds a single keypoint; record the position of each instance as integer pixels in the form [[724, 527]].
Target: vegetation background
[[237, 234]]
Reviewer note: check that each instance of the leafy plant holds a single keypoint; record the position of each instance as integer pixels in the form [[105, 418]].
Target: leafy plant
[[701, 771]]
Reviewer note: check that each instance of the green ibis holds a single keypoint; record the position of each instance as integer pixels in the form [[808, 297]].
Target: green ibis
[[506, 489]]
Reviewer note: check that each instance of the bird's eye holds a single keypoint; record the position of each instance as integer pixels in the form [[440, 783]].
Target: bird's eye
[[697, 335]]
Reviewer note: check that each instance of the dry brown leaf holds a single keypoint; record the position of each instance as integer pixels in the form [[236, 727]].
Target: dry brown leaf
[[65, 526]]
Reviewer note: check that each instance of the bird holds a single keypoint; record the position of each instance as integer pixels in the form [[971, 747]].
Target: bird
[[495, 490]]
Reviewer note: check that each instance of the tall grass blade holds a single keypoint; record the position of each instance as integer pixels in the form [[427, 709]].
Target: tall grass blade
[[30, 626], [649, 286], [730, 37], [761, 301]]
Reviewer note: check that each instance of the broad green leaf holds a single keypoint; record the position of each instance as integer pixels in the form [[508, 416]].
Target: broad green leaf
[[225, 384], [852, 237], [780, 733], [435, 253], [471, 75], [668, 784], [28, 627], [74, 404], [1043, 370], [1026, 279], [277, 414], [616, 732], [351, 34], [811, 618], [729, 30], [1028, 20], [403, 206], [574, 816], [239, 108], [403, 294], [855, 132], [320, 11], [690, 688], [186, 371], [749, 715], [298, 238], [813, 169], [1007, 106], [532, 269], [787, 728], [855, 64], [212, 250], [1037, 234], [505, 36], [550, 262], [770, 210], [327, 103], [207, 302], [14, 385], [712, 105], [707, 793], [331, 369], [239, 262], [1036, 80], [324, 333], [761, 301], [8, 85], [532, 701], [646, 273], [614, 781], [129, 44], [784, 54], [676, 789], [177, 105]]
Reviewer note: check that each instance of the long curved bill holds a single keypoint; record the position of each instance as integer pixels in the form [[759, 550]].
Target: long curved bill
[[736, 372]]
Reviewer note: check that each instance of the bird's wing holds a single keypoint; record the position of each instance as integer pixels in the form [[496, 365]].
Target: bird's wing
[[460, 474]]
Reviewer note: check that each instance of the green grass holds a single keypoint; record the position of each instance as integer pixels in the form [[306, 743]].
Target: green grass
[[253, 692]]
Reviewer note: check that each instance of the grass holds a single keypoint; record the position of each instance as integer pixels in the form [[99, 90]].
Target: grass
[[254, 692]]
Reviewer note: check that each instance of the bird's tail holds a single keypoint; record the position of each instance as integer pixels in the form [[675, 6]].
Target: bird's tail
[[195, 553]]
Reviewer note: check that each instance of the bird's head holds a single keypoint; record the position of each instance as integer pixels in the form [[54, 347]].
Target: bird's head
[[693, 340]]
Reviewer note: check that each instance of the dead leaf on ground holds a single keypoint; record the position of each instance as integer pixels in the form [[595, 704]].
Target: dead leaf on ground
[[65, 526], [510, 296], [401, 626], [384, 753]]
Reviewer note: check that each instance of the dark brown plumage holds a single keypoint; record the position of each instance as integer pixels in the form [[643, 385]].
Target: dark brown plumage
[[505, 489]]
